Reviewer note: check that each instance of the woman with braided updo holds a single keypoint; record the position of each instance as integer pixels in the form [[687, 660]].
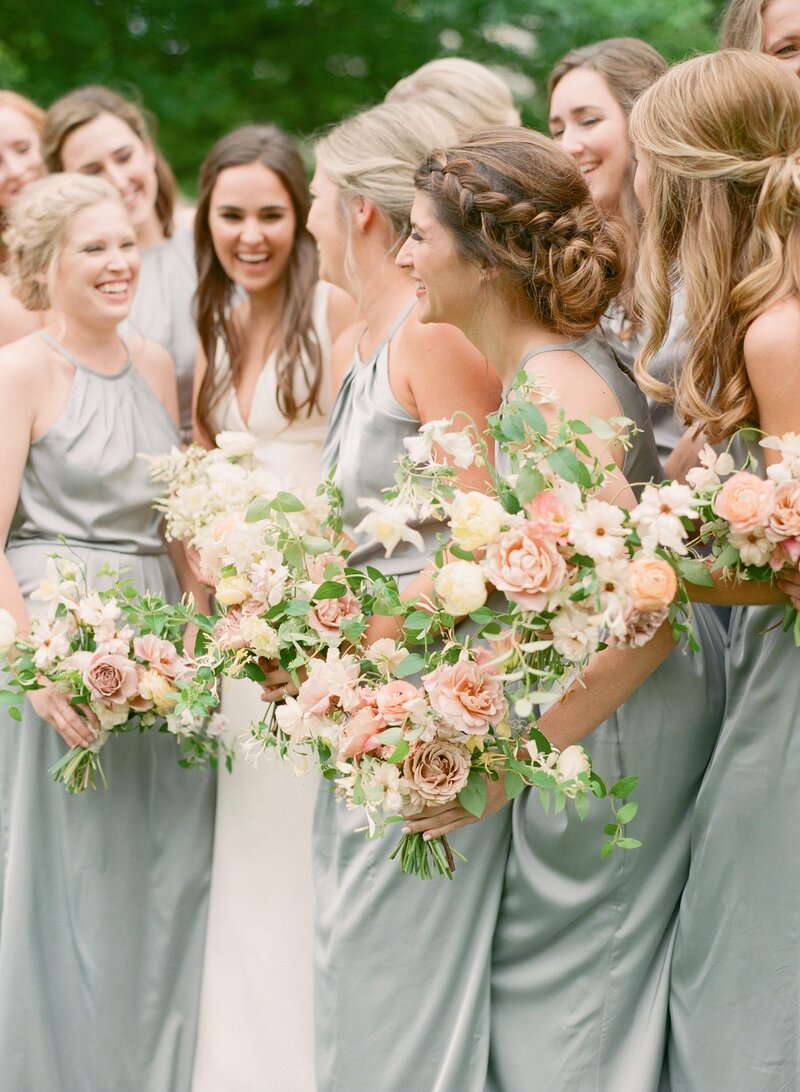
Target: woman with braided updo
[[719, 176], [507, 244]]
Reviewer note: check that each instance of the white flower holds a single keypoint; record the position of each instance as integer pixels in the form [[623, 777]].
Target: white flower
[[598, 531], [461, 587], [753, 548], [388, 524], [570, 764], [8, 630], [455, 444], [475, 519], [459, 447], [232, 590], [712, 467], [789, 447], [575, 634], [235, 444], [260, 636], [268, 577], [51, 641], [295, 722], [658, 514], [98, 614], [385, 654], [217, 725], [58, 585], [779, 472], [387, 776]]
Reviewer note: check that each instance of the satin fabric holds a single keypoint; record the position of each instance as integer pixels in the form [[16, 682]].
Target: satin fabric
[[402, 964], [580, 966], [257, 1001], [103, 895]]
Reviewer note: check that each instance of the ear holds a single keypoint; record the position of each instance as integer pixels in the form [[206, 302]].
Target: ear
[[490, 273], [363, 212]]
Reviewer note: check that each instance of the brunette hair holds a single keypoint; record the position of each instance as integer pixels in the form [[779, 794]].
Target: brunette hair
[[469, 94], [512, 199], [719, 135], [38, 224], [83, 105], [297, 346], [35, 115]]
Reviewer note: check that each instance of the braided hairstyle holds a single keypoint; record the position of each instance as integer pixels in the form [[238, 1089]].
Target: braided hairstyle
[[513, 200]]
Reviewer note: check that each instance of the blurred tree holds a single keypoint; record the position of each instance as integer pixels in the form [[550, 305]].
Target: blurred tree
[[203, 68]]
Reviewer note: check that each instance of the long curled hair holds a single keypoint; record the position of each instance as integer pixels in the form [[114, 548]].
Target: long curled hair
[[719, 136], [83, 105], [512, 199], [35, 116], [297, 346]]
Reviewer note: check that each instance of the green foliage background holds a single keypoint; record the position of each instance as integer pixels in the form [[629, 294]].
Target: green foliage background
[[204, 67]]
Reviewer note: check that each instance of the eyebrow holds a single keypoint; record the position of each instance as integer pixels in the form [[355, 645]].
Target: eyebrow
[[97, 163], [263, 208], [577, 110]]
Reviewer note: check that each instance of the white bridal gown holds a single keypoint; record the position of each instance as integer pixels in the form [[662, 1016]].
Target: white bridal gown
[[256, 1029]]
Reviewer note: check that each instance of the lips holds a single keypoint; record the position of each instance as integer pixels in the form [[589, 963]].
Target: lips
[[114, 289], [253, 259]]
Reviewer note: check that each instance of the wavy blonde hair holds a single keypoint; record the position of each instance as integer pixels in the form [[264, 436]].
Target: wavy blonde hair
[[720, 136], [468, 93], [742, 25]]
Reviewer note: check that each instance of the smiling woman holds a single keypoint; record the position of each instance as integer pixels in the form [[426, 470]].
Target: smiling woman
[[767, 26]]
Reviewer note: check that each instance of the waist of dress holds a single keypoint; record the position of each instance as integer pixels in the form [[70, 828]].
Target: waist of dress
[[139, 549]]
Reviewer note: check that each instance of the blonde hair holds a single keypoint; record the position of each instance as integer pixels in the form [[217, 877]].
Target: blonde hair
[[469, 94], [742, 25], [513, 200], [719, 136], [83, 105], [39, 221], [374, 155], [12, 101]]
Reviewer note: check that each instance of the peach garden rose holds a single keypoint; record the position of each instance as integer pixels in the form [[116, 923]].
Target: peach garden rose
[[745, 501], [467, 696], [526, 566], [652, 583]]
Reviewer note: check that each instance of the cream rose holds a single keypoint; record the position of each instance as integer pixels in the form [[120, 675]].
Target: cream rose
[[527, 567], [745, 501], [784, 520], [232, 590], [154, 687], [236, 444], [391, 700], [8, 631], [259, 636], [652, 583], [437, 771], [467, 696], [475, 520], [571, 763], [111, 679], [461, 587]]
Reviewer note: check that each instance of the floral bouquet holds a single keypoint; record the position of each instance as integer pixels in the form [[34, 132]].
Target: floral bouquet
[[751, 523], [120, 653]]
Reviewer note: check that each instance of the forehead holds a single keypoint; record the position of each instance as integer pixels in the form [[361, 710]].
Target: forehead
[[15, 126], [422, 208], [781, 19], [98, 137], [102, 218], [250, 184], [582, 87]]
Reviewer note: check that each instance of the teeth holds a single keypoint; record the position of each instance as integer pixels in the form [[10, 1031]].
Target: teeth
[[113, 289], [252, 259]]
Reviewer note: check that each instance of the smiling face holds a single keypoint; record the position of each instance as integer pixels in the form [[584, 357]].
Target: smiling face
[[20, 155], [253, 224], [781, 32], [327, 224], [106, 146], [447, 284], [589, 124], [95, 273]]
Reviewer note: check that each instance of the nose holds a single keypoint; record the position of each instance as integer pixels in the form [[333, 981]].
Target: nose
[[251, 230], [116, 176], [571, 140], [14, 165], [404, 258]]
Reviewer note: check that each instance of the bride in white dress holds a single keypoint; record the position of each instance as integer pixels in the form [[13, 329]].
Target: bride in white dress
[[267, 323]]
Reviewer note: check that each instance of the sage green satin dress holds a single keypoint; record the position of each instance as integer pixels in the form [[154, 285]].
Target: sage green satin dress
[[580, 968], [402, 964], [102, 895], [735, 993]]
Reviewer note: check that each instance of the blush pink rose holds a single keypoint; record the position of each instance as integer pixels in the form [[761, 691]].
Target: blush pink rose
[[785, 555], [161, 655], [392, 700], [326, 615], [228, 631], [360, 734], [548, 516], [526, 566], [784, 519], [652, 584], [745, 501], [467, 696], [111, 679]]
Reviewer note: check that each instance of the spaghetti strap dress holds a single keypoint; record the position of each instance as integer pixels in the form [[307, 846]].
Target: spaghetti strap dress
[[402, 964], [580, 967], [103, 895]]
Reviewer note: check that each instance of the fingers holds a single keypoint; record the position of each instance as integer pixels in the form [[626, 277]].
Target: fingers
[[74, 737], [435, 823], [79, 729], [439, 831]]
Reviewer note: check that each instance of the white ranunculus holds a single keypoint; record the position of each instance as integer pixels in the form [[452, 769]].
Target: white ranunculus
[[260, 636], [235, 444], [570, 764], [8, 630], [475, 519], [232, 590], [461, 587]]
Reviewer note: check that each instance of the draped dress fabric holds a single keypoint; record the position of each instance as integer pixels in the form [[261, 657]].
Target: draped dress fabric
[[402, 964], [735, 993], [256, 1015], [580, 969], [103, 896], [162, 311]]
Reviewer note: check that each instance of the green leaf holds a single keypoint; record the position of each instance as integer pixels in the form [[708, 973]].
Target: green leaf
[[411, 665], [580, 428], [606, 849], [513, 784], [628, 843], [330, 589], [611, 829], [624, 787], [529, 482], [482, 615], [473, 796], [400, 752], [259, 509], [418, 619], [287, 502], [8, 698], [298, 608], [314, 544], [533, 417], [457, 551], [582, 805], [729, 555], [254, 672], [695, 572], [602, 429], [569, 467], [627, 812], [14, 713]]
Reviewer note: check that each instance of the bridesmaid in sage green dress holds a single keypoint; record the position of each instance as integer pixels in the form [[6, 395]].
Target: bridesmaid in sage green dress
[[717, 140], [103, 895], [580, 964], [402, 966]]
